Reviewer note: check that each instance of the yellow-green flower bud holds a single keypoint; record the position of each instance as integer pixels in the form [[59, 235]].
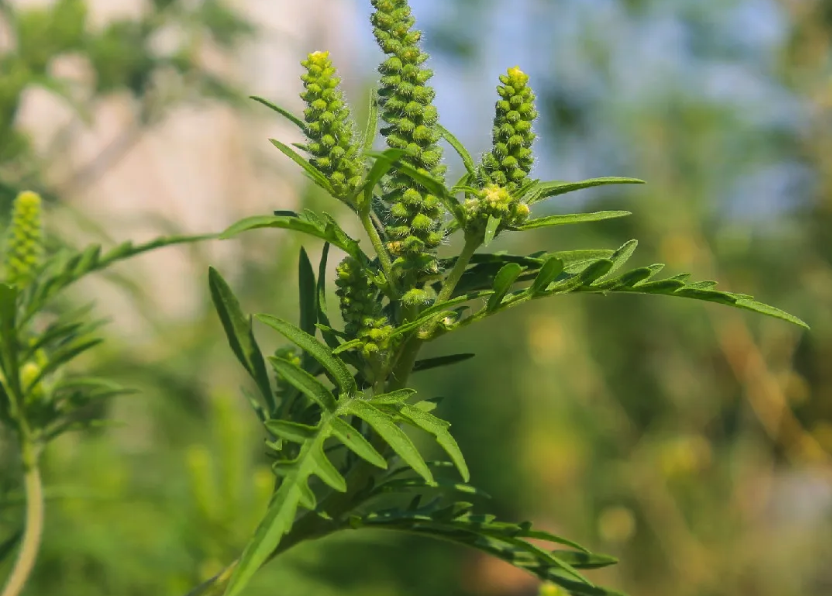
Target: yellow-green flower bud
[[361, 307], [548, 589], [24, 243], [329, 127], [407, 109], [493, 201], [510, 160]]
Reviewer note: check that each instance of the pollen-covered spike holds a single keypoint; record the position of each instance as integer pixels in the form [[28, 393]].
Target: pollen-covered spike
[[510, 160], [24, 243], [406, 107], [361, 307], [329, 126]]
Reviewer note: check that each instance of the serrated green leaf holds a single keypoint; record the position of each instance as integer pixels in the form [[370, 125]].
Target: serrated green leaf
[[546, 556], [574, 218], [291, 431], [406, 484], [386, 427], [622, 255], [240, 335], [310, 170], [429, 363], [347, 346], [329, 336], [60, 357], [626, 280], [577, 260], [439, 429], [528, 532], [384, 161], [581, 560], [662, 286], [328, 472], [585, 277], [337, 236], [8, 334], [307, 497], [424, 319], [548, 272], [702, 285], [284, 221], [503, 281], [394, 397], [57, 332], [466, 158], [371, 128], [491, 229], [325, 230], [577, 588], [433, 186], [706, 295], [285, 113], [550, 189], [355, 441], [308, 295], [316, 349], [280, 516], [305, 383], [65, 268], [771, 311]]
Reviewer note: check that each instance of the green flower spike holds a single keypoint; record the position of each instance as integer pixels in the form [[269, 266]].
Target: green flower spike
[[329, 127], [406, 106], [24, 244], [510, 160], [361, 308], [507, 166]]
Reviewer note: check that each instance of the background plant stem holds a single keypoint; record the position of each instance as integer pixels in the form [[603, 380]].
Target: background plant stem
[[34, 524]]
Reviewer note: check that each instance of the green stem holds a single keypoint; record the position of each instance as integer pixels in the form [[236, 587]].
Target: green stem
[[455, 275], [378, 245], [216, 585], [34, 524], [404, 364]]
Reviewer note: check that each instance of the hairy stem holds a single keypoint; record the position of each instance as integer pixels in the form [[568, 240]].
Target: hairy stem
[[34, 524], [378, 245], [461, 264]]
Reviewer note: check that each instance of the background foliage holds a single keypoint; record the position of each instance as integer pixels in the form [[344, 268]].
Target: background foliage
[[692, 441]]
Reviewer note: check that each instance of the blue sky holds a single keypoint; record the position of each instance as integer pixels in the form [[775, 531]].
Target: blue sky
[[648, 61]]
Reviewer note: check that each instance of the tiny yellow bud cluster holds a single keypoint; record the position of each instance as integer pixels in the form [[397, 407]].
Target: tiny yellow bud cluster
[[493, 201]]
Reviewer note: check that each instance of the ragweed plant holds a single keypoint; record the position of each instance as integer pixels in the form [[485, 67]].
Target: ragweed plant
[[334, 403], [40, 398]]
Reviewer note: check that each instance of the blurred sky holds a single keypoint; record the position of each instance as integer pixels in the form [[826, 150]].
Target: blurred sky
[[594, 51]]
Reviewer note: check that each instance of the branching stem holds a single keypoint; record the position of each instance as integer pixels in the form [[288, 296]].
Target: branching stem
[[378, 245], [455, 275]]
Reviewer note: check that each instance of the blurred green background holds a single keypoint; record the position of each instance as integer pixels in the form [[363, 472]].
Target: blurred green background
[[691, 441]]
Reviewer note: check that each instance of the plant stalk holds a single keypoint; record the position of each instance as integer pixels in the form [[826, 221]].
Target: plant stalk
[[378, 245], [455, 275], [336, 504], [30, 546]]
